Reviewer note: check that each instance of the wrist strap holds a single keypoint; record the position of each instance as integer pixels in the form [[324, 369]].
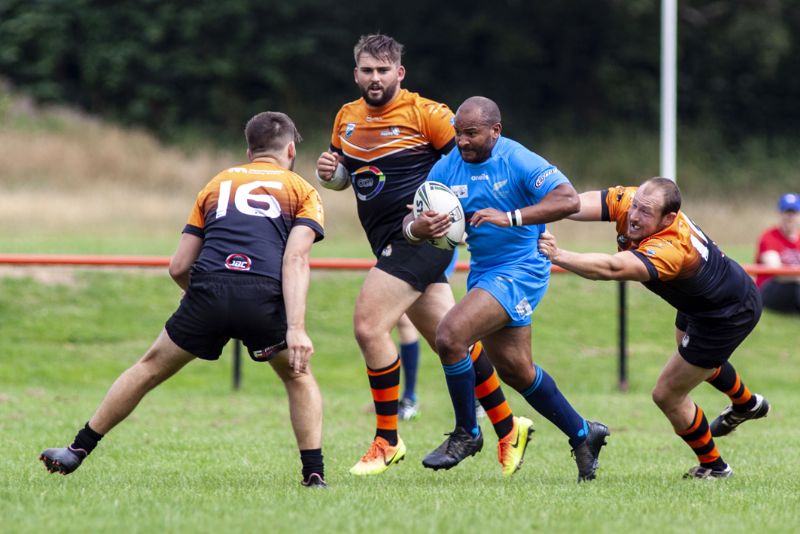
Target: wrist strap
[[510, 218], [408, 234], [518, 217]]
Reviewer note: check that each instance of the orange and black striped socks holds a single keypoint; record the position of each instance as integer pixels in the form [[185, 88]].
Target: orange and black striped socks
[[698, 437], [489, 393], [385, 386], [728, 381]]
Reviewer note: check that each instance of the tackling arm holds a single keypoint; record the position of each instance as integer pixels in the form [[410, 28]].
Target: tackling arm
[[594, 265], [556, 205], [591, 207], [296, 276], [181, 262]]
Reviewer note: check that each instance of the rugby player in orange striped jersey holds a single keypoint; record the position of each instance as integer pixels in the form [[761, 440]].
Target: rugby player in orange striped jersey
[[243, 263], [384, 144], [717, 305]]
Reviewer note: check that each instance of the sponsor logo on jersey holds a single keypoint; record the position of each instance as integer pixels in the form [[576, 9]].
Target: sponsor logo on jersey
[[480, 178], [349, 129], [650, 251], [387, 251], [685, 341], [370, 118], [368, 181], [391, 132], [238, 262], [460, 191], [540, 180], [242, 170]]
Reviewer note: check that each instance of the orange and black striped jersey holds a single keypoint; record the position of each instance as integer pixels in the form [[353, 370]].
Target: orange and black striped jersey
[[686, 268], [245, 214], [388, 152]]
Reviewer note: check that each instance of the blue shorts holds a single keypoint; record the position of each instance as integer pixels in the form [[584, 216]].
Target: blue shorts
[[516, 289]]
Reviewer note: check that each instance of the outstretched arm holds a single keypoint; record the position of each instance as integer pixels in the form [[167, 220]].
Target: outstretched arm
[[554, 206], [296, 276], [591, 207], [594, 265]]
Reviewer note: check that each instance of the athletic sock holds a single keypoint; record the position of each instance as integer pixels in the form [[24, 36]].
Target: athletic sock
[[698, 437], [545, 397], [409, 356], [86, 439], [489, 393], [728, 381], [385, 386], [460, 378], [312, 463]]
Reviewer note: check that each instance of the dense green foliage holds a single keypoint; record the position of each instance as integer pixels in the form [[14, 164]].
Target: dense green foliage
[[210, 65], [198, 457]]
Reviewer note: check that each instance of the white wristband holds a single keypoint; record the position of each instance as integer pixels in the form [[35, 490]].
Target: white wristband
[[510, 218], [408, 234], [518, 217]]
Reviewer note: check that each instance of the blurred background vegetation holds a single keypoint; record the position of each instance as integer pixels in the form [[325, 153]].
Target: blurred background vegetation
[[576, 80]]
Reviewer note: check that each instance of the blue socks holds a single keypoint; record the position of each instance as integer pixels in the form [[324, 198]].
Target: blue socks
[[547, 399], [409, 356], [460, 378]]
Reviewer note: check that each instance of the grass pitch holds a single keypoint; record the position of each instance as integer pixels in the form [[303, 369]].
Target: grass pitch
[[197, 456]]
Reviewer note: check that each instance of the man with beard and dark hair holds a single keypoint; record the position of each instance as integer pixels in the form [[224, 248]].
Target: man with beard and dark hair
[[384, 144]]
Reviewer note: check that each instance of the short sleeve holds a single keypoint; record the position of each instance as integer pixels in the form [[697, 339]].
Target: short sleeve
[[336, 144], [438, 120], [196, 221], [310, 211], [666, 259], [616, 202]]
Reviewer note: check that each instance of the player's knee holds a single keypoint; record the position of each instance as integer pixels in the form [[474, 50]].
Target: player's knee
[[365, 331], [449, 346], [662, 397]]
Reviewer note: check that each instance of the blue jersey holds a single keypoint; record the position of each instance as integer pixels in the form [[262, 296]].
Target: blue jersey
[[512, 178]]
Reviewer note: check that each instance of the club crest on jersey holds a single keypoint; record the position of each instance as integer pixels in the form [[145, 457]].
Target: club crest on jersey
[[386, 252], [238, 262], [349, 129]]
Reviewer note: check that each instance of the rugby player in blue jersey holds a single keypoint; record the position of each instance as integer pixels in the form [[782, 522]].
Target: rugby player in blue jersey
[[508, 194]]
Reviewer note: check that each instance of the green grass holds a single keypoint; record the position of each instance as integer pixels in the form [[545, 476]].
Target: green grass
[[198, 456]]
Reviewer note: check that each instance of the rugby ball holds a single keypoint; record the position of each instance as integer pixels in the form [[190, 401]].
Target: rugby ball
[[339, 181], [438, 197]]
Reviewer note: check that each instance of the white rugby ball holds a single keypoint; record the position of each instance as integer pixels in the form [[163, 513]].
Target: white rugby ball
[[439, 198]]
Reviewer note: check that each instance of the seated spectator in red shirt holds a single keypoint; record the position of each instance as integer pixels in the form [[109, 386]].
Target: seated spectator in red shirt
[[779, 246]]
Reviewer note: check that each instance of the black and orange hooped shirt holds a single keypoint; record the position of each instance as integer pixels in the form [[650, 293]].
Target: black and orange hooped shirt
[[245, 214], [388, 152], [687, 269]]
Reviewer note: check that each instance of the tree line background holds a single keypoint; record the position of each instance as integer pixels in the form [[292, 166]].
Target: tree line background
[[567, 65]]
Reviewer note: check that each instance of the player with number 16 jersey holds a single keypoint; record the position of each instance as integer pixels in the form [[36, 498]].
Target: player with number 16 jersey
[[245, 215]]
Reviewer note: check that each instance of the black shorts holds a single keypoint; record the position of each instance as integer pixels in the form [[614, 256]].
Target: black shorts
[[780, 296], [419, 265], [709, 343], [218, 307]]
